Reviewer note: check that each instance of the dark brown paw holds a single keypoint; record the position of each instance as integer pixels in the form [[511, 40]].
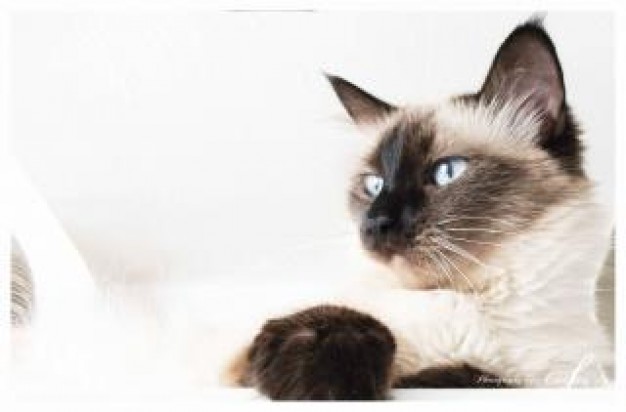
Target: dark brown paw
[[452, 376], [322, 353]]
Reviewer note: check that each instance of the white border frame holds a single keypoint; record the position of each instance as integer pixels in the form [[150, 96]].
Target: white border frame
[[603, 399]]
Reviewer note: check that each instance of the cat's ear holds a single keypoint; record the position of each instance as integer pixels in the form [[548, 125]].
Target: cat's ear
[[526, 69], [360, 105]]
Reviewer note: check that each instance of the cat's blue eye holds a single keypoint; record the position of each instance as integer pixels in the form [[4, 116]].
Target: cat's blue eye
[[373, 185], [449, 169]]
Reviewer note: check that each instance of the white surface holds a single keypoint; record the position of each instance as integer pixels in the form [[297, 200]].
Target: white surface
[[50, 252]]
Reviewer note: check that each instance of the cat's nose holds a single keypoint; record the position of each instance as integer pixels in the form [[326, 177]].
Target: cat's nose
[[378, 225]]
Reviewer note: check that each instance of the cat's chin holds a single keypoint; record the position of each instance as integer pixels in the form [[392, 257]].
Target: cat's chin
[[412, 275], [408, 272]]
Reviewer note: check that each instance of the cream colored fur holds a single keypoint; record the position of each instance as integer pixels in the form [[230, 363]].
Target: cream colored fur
[[533, 319], [534, 325]]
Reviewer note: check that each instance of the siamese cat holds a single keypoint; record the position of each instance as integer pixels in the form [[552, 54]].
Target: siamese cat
[[481, 208]]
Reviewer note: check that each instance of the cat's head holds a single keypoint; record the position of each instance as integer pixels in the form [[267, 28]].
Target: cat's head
[[446, 185]]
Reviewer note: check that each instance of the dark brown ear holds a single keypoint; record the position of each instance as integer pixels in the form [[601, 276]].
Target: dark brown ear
[[360, 105], [526, 67]]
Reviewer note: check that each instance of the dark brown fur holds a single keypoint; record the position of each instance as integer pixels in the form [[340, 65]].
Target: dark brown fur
[[323, 353], [441, 233], [499, 195], [456, 376], [502, 193]]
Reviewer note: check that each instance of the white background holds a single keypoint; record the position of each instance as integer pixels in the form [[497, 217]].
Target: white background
[[208, 144]]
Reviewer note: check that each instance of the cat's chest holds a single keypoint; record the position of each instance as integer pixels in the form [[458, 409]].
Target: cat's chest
[[431, 327]]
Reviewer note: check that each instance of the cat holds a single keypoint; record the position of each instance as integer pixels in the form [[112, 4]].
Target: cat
[[481, 208]]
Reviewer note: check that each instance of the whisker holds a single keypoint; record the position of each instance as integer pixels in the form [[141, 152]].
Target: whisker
[[467, 280], [476, 229], [480, 242], [453, 248], [441, 265], [454, 218], [462, 252], [434, 273]]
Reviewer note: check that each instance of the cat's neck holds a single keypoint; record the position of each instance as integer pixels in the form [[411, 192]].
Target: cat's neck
[[543, 306], [552, 269]]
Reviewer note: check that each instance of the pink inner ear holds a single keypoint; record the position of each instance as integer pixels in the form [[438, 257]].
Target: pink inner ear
[[526, 67], [542, 80], [544, 93], [535, 74], [549, 99]]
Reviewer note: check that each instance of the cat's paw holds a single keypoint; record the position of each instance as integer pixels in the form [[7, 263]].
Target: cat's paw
[[322, 353]]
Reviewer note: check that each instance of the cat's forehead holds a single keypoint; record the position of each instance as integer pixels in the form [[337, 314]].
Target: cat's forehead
[[455, 127], [501, 123], [407, 138]]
